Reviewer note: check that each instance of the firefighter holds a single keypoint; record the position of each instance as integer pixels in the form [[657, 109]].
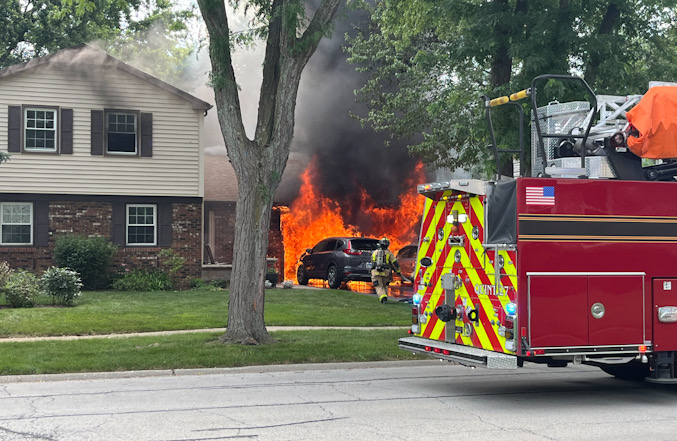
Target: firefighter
[[383, 264]]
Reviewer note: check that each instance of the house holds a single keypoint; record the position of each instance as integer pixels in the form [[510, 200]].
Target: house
[[220, 198], [99, 148]]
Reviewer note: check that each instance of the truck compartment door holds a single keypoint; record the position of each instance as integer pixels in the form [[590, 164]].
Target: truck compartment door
[[557, 313], [615, 310]]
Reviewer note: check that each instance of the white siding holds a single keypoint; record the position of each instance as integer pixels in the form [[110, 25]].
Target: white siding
[[174, 170]]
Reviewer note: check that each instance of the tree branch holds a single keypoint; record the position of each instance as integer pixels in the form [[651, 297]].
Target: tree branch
[[223, 74], [317, 27], [271, 76]]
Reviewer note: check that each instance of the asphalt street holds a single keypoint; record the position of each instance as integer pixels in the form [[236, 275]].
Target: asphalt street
[[427, 400]]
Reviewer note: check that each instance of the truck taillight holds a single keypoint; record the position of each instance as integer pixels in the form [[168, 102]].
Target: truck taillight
[[415, 326]]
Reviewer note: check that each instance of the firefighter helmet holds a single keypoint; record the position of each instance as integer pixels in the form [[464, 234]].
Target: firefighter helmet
[[384, 242]]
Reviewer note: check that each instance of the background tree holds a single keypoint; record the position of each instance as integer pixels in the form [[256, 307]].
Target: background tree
[[291, 39], [40, 27], [429, 61]]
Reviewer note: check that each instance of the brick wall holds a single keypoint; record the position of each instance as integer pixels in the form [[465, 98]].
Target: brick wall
[[94, 218]]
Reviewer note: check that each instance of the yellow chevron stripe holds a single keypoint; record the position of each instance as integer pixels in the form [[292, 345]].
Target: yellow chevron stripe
[[475, 246]]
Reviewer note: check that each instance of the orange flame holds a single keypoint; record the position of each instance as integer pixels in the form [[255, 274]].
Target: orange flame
[[313, 217]]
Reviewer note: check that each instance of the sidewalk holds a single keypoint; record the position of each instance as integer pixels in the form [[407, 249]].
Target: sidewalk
[[182, 331]]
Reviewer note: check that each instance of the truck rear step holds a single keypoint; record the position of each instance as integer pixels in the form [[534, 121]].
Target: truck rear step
[[461, 354]]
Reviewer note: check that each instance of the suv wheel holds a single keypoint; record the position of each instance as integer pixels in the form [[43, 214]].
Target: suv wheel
[[333, 278], [302, 275]]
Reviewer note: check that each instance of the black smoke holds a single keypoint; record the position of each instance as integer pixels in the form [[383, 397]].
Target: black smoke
[[348, 156]]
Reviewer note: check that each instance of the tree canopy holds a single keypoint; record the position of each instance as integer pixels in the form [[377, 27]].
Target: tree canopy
[[40, 27], [429, 61]]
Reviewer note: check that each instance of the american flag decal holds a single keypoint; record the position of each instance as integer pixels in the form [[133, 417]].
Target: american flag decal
[[540, 195]]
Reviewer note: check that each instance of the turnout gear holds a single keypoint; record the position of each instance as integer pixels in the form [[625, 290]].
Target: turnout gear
[[384, 263]]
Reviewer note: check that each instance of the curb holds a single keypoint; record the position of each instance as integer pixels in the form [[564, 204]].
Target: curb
[[86, 376]]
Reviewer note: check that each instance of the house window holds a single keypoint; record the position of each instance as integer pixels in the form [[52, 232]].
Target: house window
[[16, 223], [40, 130], [121, 133], [141, 224]]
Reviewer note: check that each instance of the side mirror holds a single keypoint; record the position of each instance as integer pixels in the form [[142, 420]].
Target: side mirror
[[309, 251], [426, 262]]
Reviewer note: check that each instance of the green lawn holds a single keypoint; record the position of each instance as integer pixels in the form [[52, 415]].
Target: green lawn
[[201, 350], [108, 312], [123, 312]]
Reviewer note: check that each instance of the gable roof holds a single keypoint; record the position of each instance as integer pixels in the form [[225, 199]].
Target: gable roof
[[85, 54]]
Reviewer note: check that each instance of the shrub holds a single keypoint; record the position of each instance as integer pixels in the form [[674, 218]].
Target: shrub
[[62, 284], [88, 256], [142, 280], [21, 289], [5, 272], [221, 284], [171, 261], [197, 283], [214, 285]]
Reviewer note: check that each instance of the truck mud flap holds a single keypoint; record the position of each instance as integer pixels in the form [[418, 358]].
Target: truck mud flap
[[461, 354]]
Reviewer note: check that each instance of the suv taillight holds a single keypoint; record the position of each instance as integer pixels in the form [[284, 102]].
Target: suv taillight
[[351, 252]]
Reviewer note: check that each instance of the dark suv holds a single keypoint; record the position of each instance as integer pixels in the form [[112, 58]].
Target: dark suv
[[337, 259]]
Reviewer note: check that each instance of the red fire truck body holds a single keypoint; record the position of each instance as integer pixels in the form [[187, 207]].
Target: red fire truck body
[[549, 270]]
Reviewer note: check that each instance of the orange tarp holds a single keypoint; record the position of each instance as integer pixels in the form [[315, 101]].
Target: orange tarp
[[655, 117]]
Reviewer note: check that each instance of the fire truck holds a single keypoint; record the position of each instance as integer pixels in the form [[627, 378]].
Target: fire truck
[[575, 264]]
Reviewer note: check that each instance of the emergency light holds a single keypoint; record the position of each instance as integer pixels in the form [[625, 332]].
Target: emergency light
[[511, 309]]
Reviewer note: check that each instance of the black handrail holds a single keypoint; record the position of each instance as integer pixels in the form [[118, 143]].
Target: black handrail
[[534, 106], [488, 104]]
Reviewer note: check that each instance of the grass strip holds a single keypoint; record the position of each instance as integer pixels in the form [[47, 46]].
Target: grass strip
[[202, 350], [110, 312]]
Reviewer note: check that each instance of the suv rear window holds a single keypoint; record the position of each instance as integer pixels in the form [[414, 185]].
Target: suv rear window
[[363, 244]]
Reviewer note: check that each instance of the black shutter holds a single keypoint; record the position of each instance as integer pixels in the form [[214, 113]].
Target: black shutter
[[66, 131], [97, 132], [165, 223], [41, 223], [146, 135], [118, 220], [14, 129]]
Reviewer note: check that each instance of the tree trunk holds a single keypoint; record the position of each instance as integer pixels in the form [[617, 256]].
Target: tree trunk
[[605, 28], [501, 61], [247, 289], [259, 163]]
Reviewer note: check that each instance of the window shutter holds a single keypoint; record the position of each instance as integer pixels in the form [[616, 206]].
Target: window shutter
[[97, 132], [165, 225], [66, 131], [41, 223], [14, 129], [146, 135], [118, 220]]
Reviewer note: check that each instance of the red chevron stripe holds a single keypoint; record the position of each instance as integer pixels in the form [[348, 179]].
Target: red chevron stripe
[[440, 262], [484, 319], [433, 321], [429, 217]]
